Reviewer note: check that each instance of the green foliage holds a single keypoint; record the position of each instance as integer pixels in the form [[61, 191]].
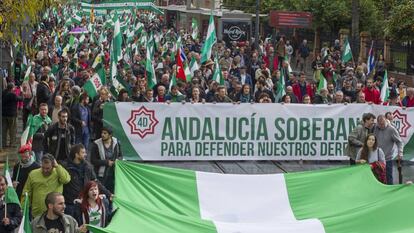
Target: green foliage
[[394, 18], [371, 18], [400, 24]]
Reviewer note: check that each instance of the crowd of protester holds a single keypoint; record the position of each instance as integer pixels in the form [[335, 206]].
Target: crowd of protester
[[66, 122]]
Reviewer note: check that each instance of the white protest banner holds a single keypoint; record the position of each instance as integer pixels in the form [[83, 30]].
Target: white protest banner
[[179, 132]]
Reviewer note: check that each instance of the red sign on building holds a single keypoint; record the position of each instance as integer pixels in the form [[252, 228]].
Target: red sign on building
[[290, 19]]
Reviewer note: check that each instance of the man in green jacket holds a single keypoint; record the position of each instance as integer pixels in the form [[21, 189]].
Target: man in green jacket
[[50, 177]]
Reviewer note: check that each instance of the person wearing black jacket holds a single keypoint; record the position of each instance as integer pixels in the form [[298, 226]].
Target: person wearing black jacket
[[80, 118], [97, 111], [14, 214], [60, 137], [9, 105], [104, 152], [81, 172], [43, 92]]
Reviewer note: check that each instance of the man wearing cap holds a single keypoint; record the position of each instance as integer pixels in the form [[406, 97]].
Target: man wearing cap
[[22, 169], [104, 152]]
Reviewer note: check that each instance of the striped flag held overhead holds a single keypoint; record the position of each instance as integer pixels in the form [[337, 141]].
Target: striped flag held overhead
[[155, 199], [210, 41]]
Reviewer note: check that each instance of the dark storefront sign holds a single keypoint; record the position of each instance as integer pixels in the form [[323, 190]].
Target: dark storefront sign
[[287, 19], [236, 30]]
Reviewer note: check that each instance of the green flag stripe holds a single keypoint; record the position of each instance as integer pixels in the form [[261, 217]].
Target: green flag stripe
[[350, 200], [178, 197], [111, 118], [152, 221]]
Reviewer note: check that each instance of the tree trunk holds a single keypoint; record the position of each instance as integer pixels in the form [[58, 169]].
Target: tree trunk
[[317, 43], [355, 27]]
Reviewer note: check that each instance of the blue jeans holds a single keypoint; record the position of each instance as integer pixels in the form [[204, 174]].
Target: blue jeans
[[38, 156], [389, 170], [84, 139]]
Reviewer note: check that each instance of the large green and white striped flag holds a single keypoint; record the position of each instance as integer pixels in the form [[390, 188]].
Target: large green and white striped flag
[[385, 90], [342, 200], [347, 53], [10, 195], [210, 41], [25, 226]]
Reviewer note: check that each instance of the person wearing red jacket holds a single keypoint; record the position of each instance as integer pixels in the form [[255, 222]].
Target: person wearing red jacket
[[371, 93], [271, 61], [302, 88]]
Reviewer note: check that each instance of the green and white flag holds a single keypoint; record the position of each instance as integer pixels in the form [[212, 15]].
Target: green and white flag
[[173, 82], [77, 18], [385, 90], [322, 82], [130, 36], [26, 75], [339, 200], [99, 67], [25, 226], [138, 28], [187, 72], [281, 85], [149, 68], [210, 41], [92, 85], [10, 195], [194, 26], [117, 40], [347, 53], [218, 74], [193, 65]]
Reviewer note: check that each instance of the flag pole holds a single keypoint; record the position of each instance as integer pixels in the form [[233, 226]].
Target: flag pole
[[400, 178], [18, 172], [5, 206]]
